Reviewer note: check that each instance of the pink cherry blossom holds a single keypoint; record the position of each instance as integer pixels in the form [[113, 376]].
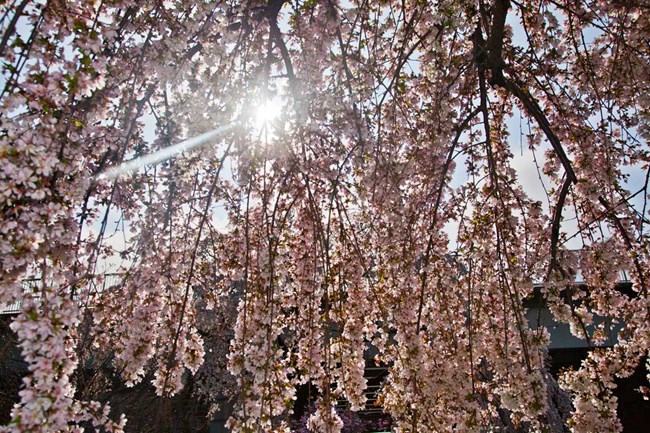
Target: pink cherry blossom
[[382, 217]]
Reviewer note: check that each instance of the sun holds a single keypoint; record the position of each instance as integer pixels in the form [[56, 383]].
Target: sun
[[266, 112]]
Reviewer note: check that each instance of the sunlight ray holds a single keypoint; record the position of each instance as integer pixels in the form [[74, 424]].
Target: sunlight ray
[[163, 154]]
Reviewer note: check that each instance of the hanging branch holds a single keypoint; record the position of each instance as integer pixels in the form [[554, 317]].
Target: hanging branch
[[489, 56]]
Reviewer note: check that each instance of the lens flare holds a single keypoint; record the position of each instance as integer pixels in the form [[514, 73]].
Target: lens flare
[[163, 154]]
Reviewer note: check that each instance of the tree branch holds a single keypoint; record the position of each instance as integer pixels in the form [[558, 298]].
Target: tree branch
[[555, 225], [535, 110], [491, 54], [494, 45], [12, 26]]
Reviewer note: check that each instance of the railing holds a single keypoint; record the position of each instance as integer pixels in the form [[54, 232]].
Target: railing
[[34, 284]]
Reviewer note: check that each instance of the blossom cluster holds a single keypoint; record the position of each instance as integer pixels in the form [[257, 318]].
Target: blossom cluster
[[381, 219]]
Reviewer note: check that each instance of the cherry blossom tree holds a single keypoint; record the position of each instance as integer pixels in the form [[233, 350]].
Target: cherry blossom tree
[[382, 206]]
